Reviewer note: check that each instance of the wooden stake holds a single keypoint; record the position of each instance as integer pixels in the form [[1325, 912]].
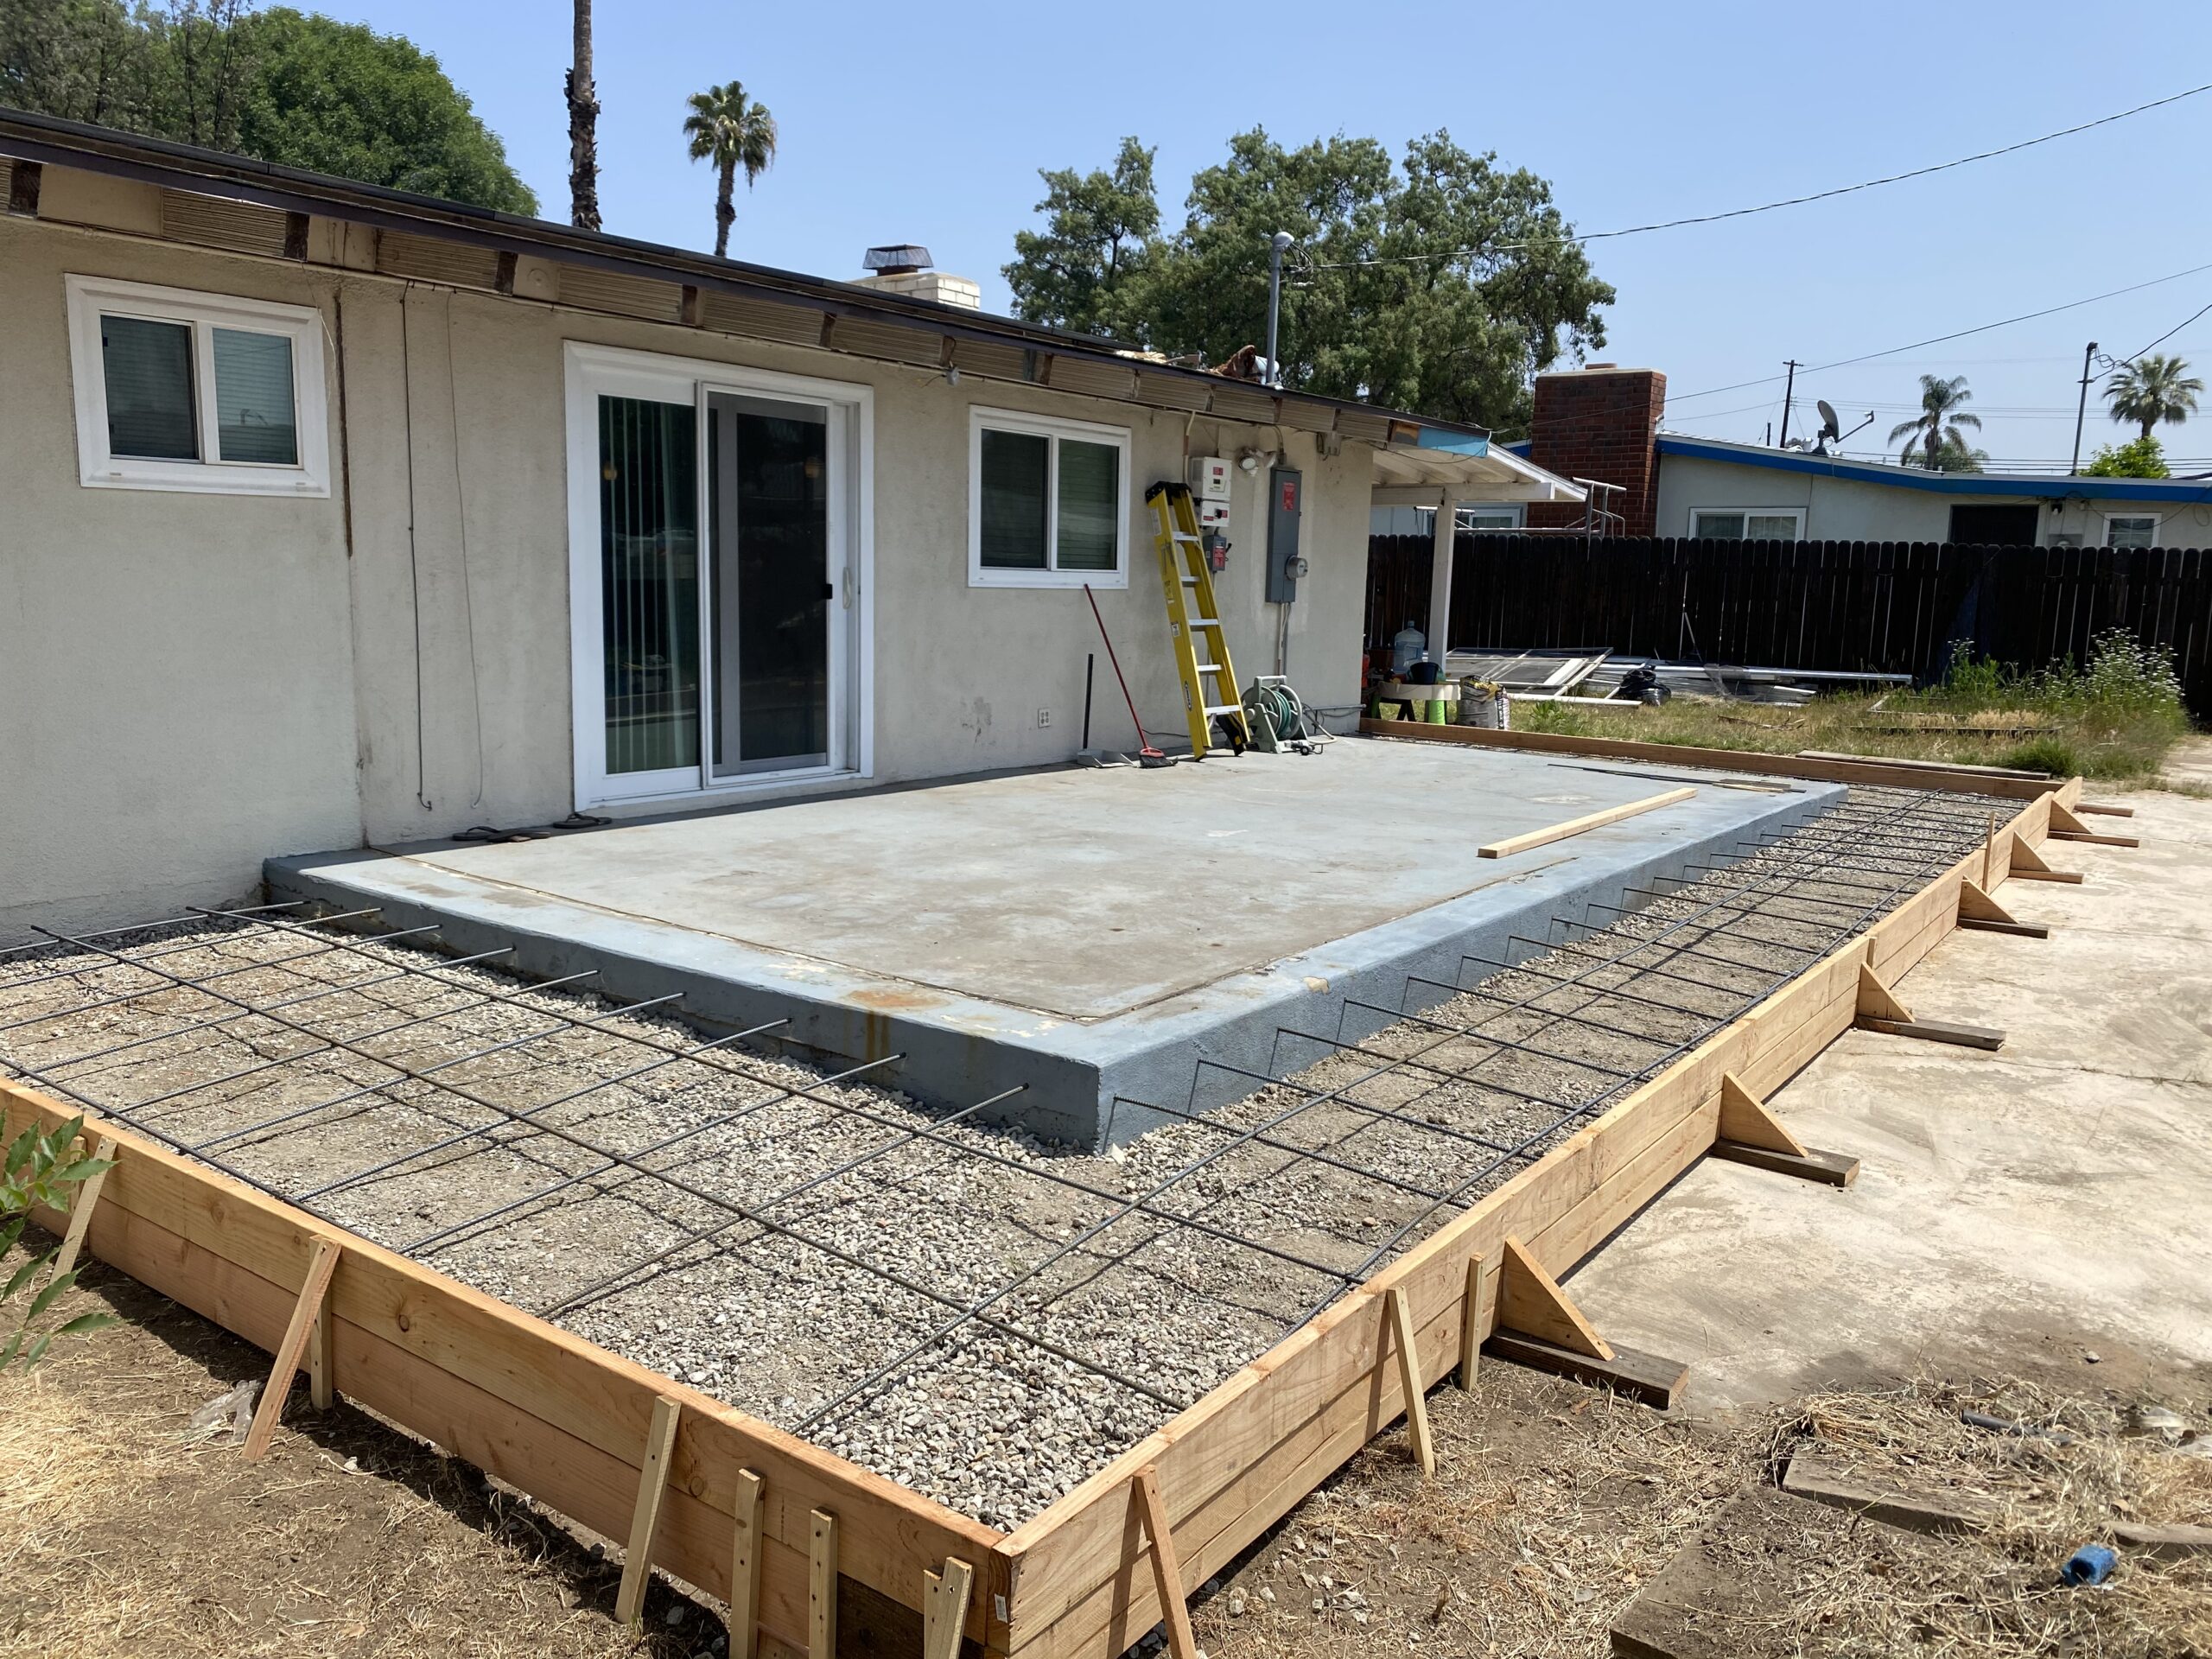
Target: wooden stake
[[321, 1265], [80, 1210], [1988, 849], [1588, 822], [1531, 1300], [1745, 1118], [1878, 1001], [745, 1568], [1409, 1379], [2029, 865], [645, 1519], [1167, 1575], [822, 1589], [321, 1393], [1472, 1324], [944, 1608]]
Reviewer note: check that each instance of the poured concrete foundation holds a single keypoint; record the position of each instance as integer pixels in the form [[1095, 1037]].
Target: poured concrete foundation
[[1089, 937]]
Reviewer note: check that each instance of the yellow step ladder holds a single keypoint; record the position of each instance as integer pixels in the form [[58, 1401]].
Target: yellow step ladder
[[1194, 628]]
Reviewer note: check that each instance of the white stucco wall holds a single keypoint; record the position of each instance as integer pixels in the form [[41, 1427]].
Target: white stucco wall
[[194, 683], [1852, 510]]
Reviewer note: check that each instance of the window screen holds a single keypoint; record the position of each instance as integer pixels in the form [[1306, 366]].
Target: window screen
[[1770, 527], [1721, 527], [148, 370], [254, 420], [1089, 495], [1015, 466], [2131, 532]]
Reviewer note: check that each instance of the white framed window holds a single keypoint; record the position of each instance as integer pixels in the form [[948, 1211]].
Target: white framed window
[[179, 390], [1048, 502], [1747, 524], [1490, 517], [2131, 530]]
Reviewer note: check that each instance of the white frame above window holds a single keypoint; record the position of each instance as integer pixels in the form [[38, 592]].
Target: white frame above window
[[1796, 515], [1053, 428], [90, 298], [2112, 518]]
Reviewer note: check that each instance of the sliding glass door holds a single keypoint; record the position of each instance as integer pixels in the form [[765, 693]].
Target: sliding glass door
[[717, 549]]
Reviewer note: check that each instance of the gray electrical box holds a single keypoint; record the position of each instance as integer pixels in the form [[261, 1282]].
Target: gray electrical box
[[1286, 502]]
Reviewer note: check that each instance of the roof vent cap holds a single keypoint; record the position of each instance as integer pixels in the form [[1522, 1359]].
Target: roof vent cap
[[896, 259]]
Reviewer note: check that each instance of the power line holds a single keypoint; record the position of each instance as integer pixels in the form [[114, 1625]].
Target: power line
[[1980, 329], [2171, 332], [1787, 201]]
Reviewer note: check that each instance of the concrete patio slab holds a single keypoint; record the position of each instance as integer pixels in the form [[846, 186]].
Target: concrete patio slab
[[1082, 933]]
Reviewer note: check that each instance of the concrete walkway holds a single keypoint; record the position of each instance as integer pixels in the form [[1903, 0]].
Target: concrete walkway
[[2019, 1210]]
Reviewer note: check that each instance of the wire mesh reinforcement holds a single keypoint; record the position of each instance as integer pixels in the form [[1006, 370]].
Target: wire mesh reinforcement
[[976, 1314]]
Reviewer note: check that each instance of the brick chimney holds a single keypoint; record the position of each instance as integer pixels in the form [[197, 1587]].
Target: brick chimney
[[1599, 422]]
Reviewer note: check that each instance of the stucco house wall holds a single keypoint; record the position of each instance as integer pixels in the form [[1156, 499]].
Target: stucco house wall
[[192, 684]]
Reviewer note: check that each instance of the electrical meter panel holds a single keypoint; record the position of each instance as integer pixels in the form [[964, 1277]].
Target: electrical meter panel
[[1286, 503], [1210, 478]]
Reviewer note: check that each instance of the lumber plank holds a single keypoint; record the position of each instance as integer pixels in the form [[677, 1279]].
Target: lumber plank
[[321, 1263], [487, 1368], [745, 1552], [1824, 1478], [1582, 825], [1828, 1168], [1412, 1382], [644, 1522], [80, 1208], [1985, 1038], [1651, 1378], [1885, 773], [821, 1588], [944, 1609], [1167, 1576], [1746, 1120], [1531, 1300]]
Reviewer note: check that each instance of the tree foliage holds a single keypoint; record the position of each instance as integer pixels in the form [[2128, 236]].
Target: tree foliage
[[732, 130], [2151, 389], [1437, 282], [40, 1170], [1936, 437], [2143, 457], [278, 85]]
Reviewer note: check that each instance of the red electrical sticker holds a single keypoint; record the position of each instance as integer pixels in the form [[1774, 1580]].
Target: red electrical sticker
[[1289, 496]]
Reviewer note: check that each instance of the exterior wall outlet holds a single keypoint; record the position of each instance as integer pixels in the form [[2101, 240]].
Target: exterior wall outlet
[[1044, 718]]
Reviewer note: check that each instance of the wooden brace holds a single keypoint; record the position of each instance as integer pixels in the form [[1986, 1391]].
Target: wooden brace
[[645, 1519], [944, 1608], [1976, 904], [745, 1567], [80, 1208], [1877, 1000], [321, 1263], [2064, 826], [1166, 1573], [2029, 865], [1745, 1118], [1531, 1300], [1399, 1322]]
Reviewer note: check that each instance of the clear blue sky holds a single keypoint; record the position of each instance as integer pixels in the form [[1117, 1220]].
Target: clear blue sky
[[929, 124]]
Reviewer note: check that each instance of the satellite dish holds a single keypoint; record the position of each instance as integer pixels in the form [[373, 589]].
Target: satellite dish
[[1830, 427]]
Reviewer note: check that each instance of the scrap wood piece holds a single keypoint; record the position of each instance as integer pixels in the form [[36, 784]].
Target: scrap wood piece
[[745, 1567], [821, 1588], [645, 1519], [1825, 1478], [321, 1263], [80, 1208], [2029, 865], [1530, 1301], [1652, 1378], [944, 1608], [2065, 826], [1588, 822], [1400, 1322], [1166, 1573]]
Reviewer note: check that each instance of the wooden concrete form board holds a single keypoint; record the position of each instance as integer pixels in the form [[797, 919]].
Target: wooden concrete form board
[[1237, 1461], [544, 1410], [567, 1421]]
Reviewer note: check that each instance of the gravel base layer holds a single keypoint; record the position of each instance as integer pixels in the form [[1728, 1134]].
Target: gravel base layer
[[981, 1317]]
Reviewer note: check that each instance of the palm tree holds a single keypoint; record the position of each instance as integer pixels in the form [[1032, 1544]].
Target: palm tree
[[2152, 389], [1939, 431], [729, 130], [584, 129]]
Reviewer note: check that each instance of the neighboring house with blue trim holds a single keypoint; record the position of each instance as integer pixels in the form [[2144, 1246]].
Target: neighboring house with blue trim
[[1603, 423]]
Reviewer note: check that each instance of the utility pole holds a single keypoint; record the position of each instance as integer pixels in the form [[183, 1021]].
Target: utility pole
[[1276, 246], [584, 129], [2082, 408], [1788, 391]]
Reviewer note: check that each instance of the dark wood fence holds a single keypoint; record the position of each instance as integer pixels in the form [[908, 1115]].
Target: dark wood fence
[[1891, 606]]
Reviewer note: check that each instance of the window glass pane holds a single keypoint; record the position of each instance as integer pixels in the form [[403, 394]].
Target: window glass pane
[[649, 577], [1014, 469], [1721, 527], [1771, 527], [149, 369], [253, 398], [2131, 532], [1090, 488]]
